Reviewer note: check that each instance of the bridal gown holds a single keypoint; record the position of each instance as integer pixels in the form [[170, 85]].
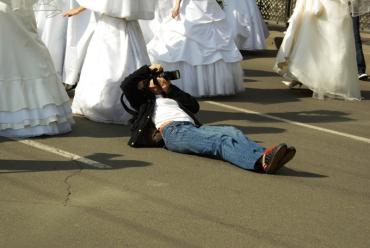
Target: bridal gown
[[199, 44], [318, 49], [116, 49], [247, 24], [66, 38], [52, 27], [33, 101]]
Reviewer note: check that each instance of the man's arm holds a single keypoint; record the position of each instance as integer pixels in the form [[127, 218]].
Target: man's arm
[[185, 99], [130, 86]]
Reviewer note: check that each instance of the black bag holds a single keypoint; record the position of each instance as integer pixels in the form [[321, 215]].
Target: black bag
[[148, 137]]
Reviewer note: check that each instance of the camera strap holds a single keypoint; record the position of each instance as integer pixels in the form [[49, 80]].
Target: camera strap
[[128, 110]]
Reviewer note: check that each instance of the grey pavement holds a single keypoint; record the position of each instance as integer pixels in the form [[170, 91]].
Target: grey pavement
[[156, 198]]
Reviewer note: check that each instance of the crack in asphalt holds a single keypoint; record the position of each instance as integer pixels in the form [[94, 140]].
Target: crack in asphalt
[[67, 198]]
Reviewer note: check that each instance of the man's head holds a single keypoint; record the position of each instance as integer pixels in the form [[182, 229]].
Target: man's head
[[158, 88]]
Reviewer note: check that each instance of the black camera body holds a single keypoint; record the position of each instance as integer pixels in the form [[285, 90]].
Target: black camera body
[[168, 75]]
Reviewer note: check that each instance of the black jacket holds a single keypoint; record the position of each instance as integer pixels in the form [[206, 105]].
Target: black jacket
[[143, 131]]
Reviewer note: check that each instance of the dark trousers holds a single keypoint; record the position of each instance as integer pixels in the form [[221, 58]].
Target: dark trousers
[[361, 64]]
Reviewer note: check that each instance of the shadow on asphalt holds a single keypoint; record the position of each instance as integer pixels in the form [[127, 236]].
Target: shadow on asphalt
[[365, 95], [265, 96], [285, 171], [258, 73], [258, 54], [87, 128], [19, 166], [315, 116]]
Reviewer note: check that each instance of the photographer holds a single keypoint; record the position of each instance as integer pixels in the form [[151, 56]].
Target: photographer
[[164, 116]]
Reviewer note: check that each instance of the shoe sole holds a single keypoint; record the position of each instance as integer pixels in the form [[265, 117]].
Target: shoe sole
[[276, 160], [289, 155]]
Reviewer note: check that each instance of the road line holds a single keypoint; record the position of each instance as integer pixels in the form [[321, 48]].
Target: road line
[[325, 130], [62, 153]]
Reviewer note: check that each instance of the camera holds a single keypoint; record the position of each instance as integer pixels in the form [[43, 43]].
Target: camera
[[169, 75]]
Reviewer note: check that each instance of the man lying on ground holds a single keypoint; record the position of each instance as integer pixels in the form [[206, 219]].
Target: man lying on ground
[[165, 116]]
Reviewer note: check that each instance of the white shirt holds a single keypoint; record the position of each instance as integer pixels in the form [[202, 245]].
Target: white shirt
[[166, 110]]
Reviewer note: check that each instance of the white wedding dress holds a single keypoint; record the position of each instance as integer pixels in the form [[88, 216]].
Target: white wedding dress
[[318, 49], [246, 23], [52, 27], [116, 50], [66, 38], [80, 29], [32, 99], [199, 44]]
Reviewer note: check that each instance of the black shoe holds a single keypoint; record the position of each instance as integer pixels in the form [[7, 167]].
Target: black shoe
[[69, 87], [363, 76]]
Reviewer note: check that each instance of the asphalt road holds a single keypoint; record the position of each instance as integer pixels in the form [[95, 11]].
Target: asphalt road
[[112, 195]]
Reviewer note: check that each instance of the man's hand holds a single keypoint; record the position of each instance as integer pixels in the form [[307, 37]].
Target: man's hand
[[157, 68], [73, 12], [164, 84]]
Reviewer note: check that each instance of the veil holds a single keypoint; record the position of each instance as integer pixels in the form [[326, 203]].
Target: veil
[[359, 7]]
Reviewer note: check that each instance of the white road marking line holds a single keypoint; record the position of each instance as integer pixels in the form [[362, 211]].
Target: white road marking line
[[63, 153], [325, 130]]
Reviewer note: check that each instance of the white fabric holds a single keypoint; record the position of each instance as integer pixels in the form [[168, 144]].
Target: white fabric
[[128, 9], [80, 29], [151, 27], [198, 42], [246, 23], [21, 4], [166, 110], [66, 38], [52, 28], [319, 51], [219, 78], [147, 30], [116, 50], [32, 99]]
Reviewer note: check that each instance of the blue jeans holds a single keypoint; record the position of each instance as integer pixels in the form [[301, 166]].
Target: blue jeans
[[226, 143]]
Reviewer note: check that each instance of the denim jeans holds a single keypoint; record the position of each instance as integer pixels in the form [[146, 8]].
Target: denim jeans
[[226, 143], [361, 64]]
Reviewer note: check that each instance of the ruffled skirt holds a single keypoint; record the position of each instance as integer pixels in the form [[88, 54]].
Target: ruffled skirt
[[201, 47], [32, 99]]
